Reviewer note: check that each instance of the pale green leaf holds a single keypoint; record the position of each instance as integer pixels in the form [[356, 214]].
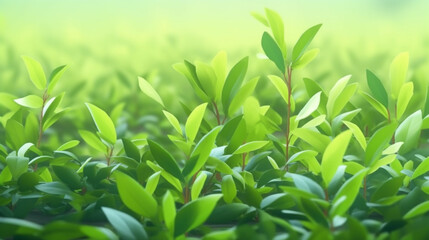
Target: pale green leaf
[[194, 121], [134, 196], [398, 73], [421, 169], [229, 190], [310, 107], [149, 90], [103, 122], [333, 156], [418, 210], [404, 98], [169, 210], [30, 101], [357, 133], [35, 71], [306, 58], [198, 185], [375, 104], [303, 42], [173, 121], [349, 190], [250, 146]]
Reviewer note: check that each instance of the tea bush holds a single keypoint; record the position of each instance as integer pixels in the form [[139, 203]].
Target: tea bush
[[313, 165]]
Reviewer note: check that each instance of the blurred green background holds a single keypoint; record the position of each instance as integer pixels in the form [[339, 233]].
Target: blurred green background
[[107, 44]]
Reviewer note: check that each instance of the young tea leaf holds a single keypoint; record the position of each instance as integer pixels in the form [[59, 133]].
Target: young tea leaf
[[398, 73], [194, 121], [149, 90], [126, 226], [134, 196], [333, 156], [304, 41], [194, 214], [377, 88], [273, 51], [103, 122], [35, 71]]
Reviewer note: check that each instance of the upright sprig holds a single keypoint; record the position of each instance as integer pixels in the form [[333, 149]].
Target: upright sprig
[[213, 84], [47, 105], [275, 49]]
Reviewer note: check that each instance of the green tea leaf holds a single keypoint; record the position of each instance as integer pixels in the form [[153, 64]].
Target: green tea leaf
[[315, 139], [201, 152], [149, 90], [169, 210], [375, 104], [194, 121], [333, 156], [303, 42], [126, 226], [68, 145], [165, 159], [30, 101], [173, 121], [357, 133], [421, 169], [198, 185], [55, 76], [208, 79], [261, 18], [273, 51], [152, 182], [309, 107], [250, 146], [418, 210], [404, 98], [281, 87], [277, 27], [194, 214], [229, 190], [35, 71], [233, 83], [334, 94], [134, 196], [68, 176], [17, 165], [349, 190], [377, 88], [243, 93], [377, 143], [409, 132], [306, 58], [189, 71], [131, 149], [398, 73], [92, 140], [103, 122]]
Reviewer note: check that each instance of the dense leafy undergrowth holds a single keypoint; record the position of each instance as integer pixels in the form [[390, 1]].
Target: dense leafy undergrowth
[[233, 169]]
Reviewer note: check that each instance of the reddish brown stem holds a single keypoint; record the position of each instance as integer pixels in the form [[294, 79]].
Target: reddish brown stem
[[109, 156], [364, 188], [216, 113], [243, 166]]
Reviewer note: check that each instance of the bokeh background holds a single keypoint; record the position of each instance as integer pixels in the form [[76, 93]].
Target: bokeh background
[[107, 44]]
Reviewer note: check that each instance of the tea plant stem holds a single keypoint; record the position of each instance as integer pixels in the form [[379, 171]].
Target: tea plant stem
[[109, 156], [364, 188], [288, 81], [39, 139], [216, 113], [244, 162]]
